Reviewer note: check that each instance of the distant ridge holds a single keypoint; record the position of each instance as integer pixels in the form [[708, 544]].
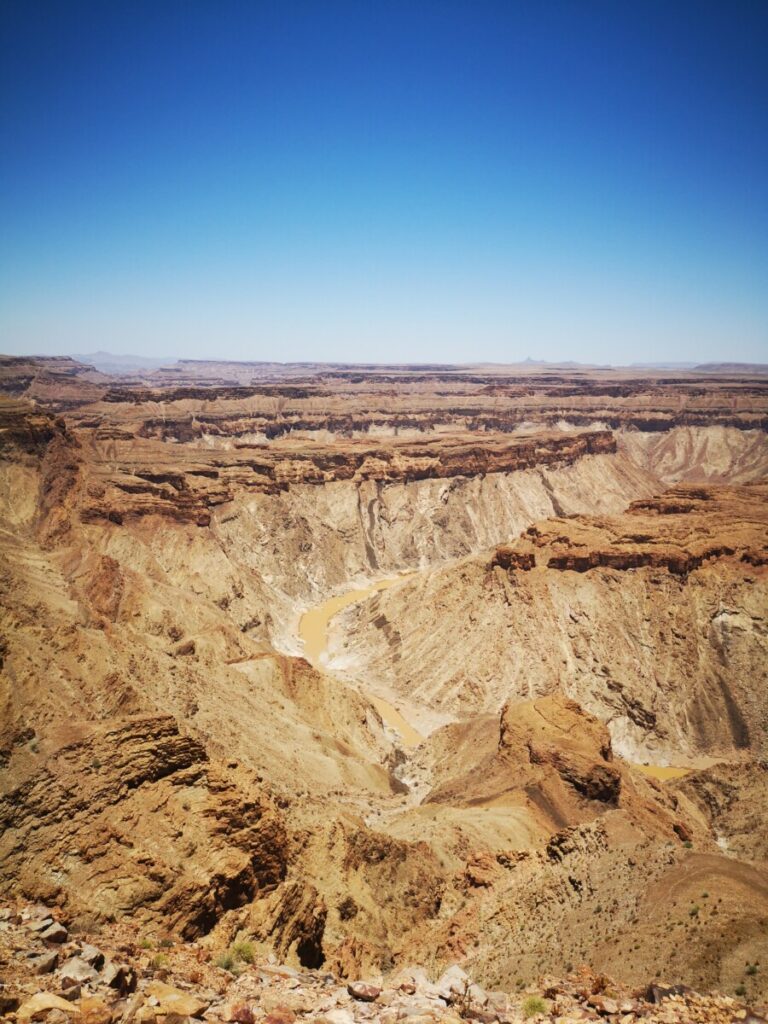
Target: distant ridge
[[732, 368], [120, 364]]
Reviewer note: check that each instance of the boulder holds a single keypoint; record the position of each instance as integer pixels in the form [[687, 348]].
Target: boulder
[[45, 963], [40, 924], [94, 1011], [76, 972], [92, 955], [173, 1000], [41, 1004], [119, 976], [363, 991], [55, 933]]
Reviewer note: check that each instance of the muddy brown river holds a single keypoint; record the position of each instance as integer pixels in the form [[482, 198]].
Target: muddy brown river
[[313, 632]]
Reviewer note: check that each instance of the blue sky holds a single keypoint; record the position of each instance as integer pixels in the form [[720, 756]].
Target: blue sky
[[453, 181]]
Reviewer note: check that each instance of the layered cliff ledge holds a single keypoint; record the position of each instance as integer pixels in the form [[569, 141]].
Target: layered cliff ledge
[[154, 480]]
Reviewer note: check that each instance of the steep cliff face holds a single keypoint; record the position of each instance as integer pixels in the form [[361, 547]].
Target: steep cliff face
[[654, 621], [130, 817]]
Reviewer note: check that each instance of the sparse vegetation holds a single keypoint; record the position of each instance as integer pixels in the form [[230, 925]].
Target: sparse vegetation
[[740, 990], [243, 951], [226, 961], [533, 1005], [159, 961], [694, 911], [146, 944], [751, 970]]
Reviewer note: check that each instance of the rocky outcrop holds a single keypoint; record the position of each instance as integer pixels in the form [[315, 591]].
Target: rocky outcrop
[[551, 756], [678, 531], [131, 816]]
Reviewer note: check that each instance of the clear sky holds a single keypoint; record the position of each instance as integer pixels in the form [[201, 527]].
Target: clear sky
[[385, 180]]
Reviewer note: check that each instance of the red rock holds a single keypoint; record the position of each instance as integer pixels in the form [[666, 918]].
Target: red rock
[[363, 991], [281, 1015], [242, 1013]]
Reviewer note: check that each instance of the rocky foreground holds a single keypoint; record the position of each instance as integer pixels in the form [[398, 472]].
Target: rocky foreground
[[49, 972]]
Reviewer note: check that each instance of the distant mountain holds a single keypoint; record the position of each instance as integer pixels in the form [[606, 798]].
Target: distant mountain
[[121, 364], [732, 368], [662, 366]]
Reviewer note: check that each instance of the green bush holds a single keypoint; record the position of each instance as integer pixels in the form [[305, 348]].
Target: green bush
[[534, 1005], [751, 969], [226, 961], [243, 951]]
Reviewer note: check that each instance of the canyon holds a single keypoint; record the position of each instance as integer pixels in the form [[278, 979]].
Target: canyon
[[382, 666]]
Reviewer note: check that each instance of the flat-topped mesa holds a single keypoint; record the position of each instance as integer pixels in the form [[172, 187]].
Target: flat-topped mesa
[[678, 531], [199, 479]]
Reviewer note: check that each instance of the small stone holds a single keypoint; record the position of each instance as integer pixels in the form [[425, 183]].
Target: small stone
[[92, 955], [280, 1016], [72, 994], [337, 1017], [76, 972], [8, 1004], [45, 963], [40, 924], [363, 991], [604, 1006], [37, 912], [477, 995], [56, 933], [120, 977], [241, 1013], [452, 982], [41, 1004], [94, 1011], [295, 1002], [173, 1000]]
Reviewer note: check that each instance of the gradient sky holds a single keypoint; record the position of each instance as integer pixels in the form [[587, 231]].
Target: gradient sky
[[453, 181]]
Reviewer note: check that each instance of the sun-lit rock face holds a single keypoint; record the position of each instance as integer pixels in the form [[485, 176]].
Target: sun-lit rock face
[[577, 565]]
